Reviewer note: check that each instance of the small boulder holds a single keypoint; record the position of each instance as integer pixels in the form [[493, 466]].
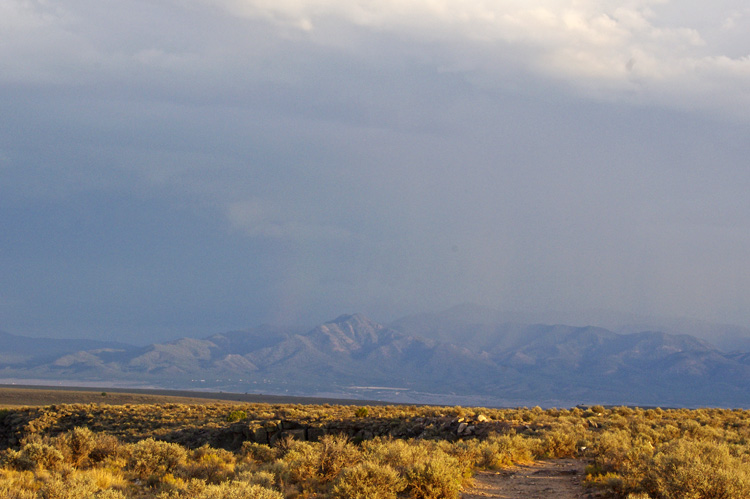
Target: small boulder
[[314, 434]]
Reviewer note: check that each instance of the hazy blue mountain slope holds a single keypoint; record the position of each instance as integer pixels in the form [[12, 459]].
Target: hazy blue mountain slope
[[23, 350], [470, 318], [466, 360]]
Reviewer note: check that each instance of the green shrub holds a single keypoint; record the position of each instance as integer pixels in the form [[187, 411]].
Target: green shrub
[[260, 453], [437, 478], [77, 444], [237, 415], [105, 446], [398, 454], [237, 490], [466, 452], [361, 412], [73, 486], [499, 451], [336, 452], [34, 456], [558, 443], [428, 470], [489, 456], [263, 478], [598, 409], [303, 461], [152, 457], [697, 470], [279, 474], [209, 464], [311, 465], [368, 480], [110, 494], [195, 489]]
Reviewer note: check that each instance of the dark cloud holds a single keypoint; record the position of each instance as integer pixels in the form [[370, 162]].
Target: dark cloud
[[185, 170]]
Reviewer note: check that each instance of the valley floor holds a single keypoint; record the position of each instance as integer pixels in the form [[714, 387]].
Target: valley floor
[[12, 395]]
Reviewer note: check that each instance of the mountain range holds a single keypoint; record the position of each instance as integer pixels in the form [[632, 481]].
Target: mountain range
[[466, 355]]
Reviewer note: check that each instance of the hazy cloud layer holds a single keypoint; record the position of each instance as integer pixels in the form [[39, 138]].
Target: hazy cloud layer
[[186, 167]]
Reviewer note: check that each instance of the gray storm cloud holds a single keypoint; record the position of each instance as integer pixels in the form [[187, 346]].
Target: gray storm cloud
[[175, 168]]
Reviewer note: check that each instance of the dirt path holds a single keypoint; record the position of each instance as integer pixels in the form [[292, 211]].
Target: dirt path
[[553, 479]]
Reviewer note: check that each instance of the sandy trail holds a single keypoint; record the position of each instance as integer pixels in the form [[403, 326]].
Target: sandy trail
[[551, 479]]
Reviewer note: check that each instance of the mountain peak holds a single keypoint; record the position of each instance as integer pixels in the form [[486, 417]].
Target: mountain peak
[[349, 318], [348, 333]]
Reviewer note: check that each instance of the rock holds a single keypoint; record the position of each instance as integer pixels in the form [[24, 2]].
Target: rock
[[461, 428], [315, 434], [482, 418], [260, 435], [291, 425], [296, 434], [363, 435]]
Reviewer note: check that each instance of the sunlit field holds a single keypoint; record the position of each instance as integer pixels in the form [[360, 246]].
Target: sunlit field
[[223, 450]]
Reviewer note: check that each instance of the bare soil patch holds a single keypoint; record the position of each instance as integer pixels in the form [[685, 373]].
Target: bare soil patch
[[550, 479]]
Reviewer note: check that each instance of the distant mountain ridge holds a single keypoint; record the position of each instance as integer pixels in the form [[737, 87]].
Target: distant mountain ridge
[[726, 337], [20, 350], [466, 356]]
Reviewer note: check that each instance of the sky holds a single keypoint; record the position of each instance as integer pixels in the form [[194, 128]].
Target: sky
[[172, 168]]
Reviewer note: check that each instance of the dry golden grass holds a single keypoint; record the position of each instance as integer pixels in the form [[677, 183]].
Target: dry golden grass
[[170, 450]]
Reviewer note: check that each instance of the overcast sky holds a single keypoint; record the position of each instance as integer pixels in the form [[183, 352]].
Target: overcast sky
[[174, 168]]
